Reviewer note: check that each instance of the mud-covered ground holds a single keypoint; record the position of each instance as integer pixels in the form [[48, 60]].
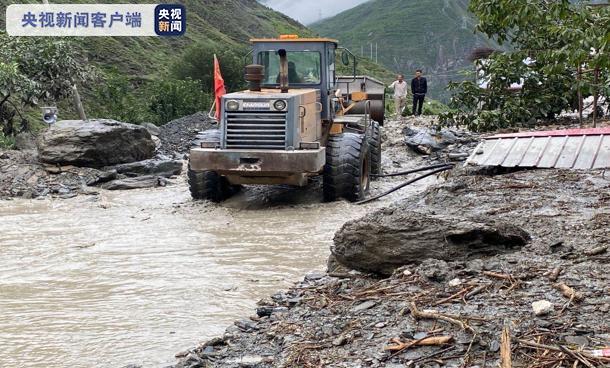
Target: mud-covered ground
[[464, 306]]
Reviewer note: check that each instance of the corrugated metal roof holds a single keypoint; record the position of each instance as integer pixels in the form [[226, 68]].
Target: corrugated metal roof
[[566, 149]]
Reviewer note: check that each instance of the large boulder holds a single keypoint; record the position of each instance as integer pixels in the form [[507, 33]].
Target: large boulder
[[393, 237], [95, 143]]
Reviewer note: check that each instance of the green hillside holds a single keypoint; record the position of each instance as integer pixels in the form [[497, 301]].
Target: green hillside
[[434, 35], [223, 24], [135, 77]]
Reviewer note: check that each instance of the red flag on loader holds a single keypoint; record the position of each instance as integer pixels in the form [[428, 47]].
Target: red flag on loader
[[219, 86]]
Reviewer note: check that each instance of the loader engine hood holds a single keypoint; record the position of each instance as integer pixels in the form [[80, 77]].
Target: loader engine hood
[[267, 120]]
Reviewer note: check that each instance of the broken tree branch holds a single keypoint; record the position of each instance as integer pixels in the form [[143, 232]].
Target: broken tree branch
[[596, 251], [568, 292], [426, 341], [554, 275], [505, 348], [417, 314], [496, 275], [454, 296]]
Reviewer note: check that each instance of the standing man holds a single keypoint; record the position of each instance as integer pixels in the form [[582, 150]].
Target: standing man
[[400, 93], [419, 87]]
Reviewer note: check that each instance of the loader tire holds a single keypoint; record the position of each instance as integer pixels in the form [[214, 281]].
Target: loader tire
[[209, 185], [347, 169], [208, 136], [375, 147]]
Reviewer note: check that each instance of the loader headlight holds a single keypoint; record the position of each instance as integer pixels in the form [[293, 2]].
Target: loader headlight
[[232, 105], [279, 105]]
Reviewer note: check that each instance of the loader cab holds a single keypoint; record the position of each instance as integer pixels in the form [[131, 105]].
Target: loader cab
[[311, 65]]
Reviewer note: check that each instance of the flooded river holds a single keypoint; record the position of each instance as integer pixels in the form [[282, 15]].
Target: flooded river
[[134, 277]]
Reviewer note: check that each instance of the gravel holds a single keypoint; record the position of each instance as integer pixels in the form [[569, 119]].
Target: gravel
[[177, 135]]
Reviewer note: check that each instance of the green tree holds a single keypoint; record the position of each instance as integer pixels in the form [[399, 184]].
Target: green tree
[[197, 63], [171, 99], [567, 45], [34, 70], [116, 97]]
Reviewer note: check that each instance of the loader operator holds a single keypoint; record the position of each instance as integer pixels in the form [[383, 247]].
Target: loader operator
[[293, 75], [400, 93]]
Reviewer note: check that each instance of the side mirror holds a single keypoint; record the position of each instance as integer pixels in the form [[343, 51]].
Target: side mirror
[[345, 58]]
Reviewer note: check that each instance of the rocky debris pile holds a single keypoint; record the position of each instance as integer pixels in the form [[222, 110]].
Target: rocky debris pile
[[138, 182], [144, 174], [453, 145], [177, 135], [392, 237], [447, 144], [21, 175], [73, 156], [159, 166], [95, 143], [543, 305]]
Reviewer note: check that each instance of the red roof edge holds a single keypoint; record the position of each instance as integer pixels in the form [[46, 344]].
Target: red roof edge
[[554, 133]]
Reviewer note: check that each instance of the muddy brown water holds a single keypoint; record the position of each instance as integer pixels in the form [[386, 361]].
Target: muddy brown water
[[135, 277]]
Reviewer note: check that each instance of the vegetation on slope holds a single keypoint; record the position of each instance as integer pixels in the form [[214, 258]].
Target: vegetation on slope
[[566, 44], [434, 35], [138, 79]]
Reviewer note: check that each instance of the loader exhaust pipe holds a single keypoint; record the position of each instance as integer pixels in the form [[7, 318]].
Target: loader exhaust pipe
[[254, 76], [283, 71]]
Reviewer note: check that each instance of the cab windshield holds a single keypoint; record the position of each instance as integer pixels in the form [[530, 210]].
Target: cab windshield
[[303, 67]]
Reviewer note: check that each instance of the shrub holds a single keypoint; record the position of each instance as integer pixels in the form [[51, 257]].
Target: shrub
[[171, 99], [117, 98], [197, 63]]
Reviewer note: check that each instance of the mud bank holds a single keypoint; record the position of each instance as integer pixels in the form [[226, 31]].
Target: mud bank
[[453, 314]]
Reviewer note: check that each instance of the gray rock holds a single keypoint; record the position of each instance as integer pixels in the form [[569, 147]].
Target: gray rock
[[577, 340], [390, 238], [152, 128], [96, 143], [165, 168], [542, 307], [364, 306], [420, 335], [435, 270], [341, 340], [426, 141], [102, 177], [140, 182], [246, 325], [25, 141], [314, 276]]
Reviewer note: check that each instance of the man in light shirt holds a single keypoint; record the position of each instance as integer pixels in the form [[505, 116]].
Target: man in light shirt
[[400, 93]]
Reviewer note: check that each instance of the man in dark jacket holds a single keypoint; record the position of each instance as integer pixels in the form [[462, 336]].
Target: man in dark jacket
[[419, 87]]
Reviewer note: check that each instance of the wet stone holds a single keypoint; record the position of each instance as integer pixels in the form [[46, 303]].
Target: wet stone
[[577, 340], [494, 346], [364, 306], [420, 335]]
